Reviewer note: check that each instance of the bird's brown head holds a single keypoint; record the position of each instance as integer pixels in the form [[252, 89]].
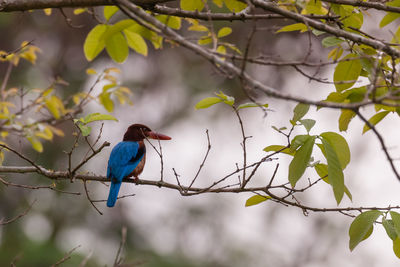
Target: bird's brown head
[[138, 132]]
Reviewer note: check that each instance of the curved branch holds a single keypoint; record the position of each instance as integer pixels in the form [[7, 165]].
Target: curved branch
[[269, 6], [367, 4], [25, 5], [60, 175]]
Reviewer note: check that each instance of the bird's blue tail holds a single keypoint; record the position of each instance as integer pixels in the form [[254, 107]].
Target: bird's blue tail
[[112, 196]]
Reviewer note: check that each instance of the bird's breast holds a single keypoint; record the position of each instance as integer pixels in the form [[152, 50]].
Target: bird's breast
[[139, 168]]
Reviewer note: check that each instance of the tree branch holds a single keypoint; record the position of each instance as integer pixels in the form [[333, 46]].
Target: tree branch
[[25, 5]]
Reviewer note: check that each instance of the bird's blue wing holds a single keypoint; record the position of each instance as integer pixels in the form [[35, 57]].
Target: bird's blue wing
[[124, 158]]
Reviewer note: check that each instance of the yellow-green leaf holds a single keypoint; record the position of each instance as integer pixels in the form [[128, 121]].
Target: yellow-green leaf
[[299, 111], [109, 11], [360, 227], [53, 105], [396, 221], [281, 149], [98, 117], [396, 247], [235, 5], [192, 5], [207, 102], [78, 11], [374, 120], [85, 129], [300, 160], [346, 116], [94, 42], [331, 41], [91, 71], [294, 27], [322, 171], [251, 105], [339, 144], [171, 21], [46, 134], [204, 40], [106, 101], [225, 31], [136, 42], [256, 199], [346, 73], [36, 144], [389, 228], [388, 18], [335, 173], [117, 47], [218, 3], [47, 11], [198, 28]]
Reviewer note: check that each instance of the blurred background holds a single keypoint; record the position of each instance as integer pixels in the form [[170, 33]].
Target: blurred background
[[163, 227]]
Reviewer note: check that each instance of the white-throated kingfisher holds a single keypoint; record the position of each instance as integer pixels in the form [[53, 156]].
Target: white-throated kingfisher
[[128, 157]]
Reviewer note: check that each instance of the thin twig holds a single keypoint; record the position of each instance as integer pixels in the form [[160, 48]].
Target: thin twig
[[2, 222], [118, 258], [90, 200], [204, 160], [51, 187], [66, 257]]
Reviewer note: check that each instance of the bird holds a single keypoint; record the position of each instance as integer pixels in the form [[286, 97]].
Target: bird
[[128, 157]]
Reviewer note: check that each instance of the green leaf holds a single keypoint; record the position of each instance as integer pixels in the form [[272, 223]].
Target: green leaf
[[251, 105], [294, 27], [355, 20], [389, 228], [85, 129], [218, 3], [36, 144], [335, 173], [235, 5], [297, 141], [136, 42], [108, 86], [192, 5], [300, 160], [346, 71], [396, 221], [346, 116], [52, 105], [117, 47], [205, 40], [208, 102], [109, 11], [98, 117], [388, 18], [396, 247], [374, 120], [171, 21], [94, 42], [256, 199], [226, 98], [322, 171], [331, 41], [299, 111], [225, 31], [340, 146], [360, 227], [308, 124], [106, 101], [119, 27], [282, 149]]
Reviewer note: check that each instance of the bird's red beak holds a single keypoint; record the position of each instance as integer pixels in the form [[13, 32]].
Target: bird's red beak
[[154, 135]]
